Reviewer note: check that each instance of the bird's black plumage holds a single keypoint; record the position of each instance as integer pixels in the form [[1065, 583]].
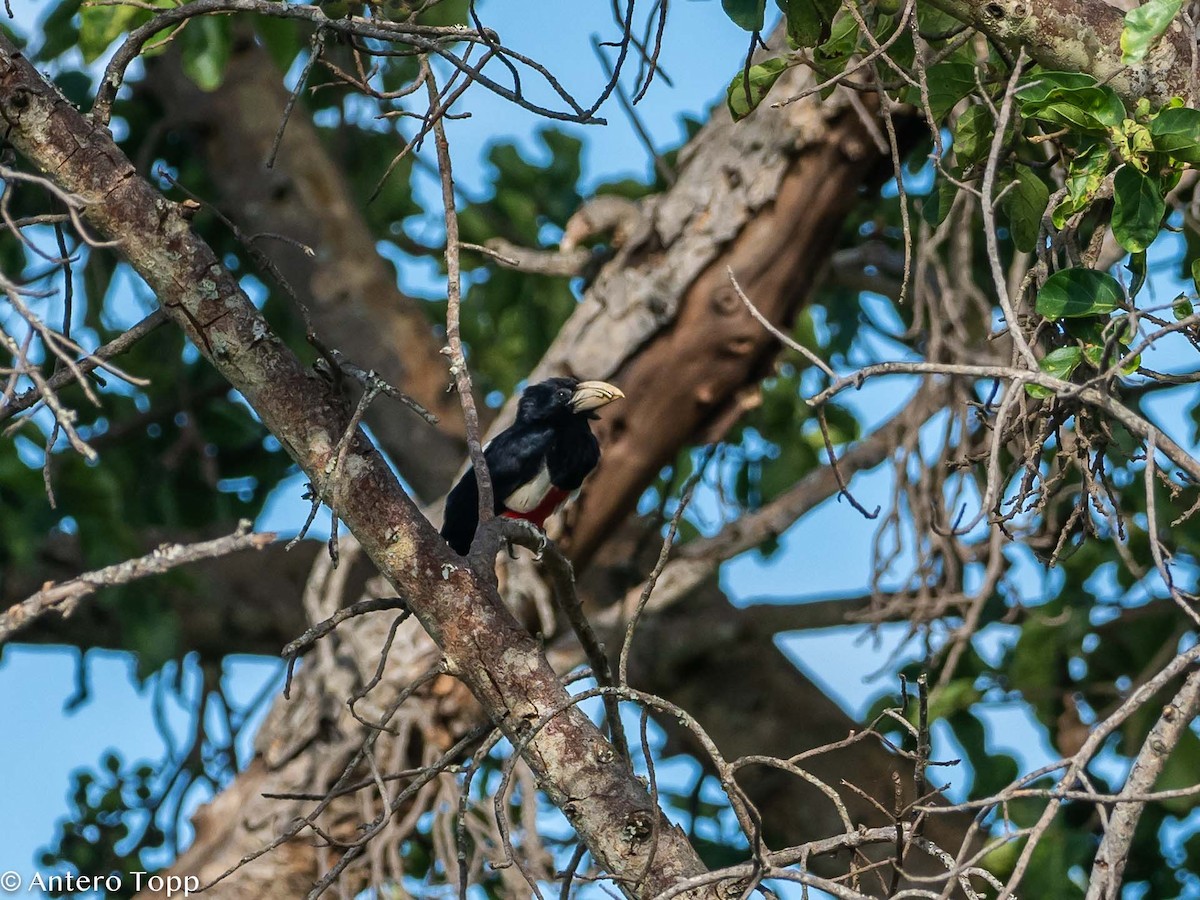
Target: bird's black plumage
[[535, 463]]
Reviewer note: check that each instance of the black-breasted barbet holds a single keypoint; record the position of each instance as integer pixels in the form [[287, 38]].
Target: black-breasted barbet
[[537, 461]]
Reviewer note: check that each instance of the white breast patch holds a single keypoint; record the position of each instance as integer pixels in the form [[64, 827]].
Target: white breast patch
[[529, 495]]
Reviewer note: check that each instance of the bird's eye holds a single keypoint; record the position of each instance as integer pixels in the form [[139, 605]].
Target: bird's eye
[[564, 394]]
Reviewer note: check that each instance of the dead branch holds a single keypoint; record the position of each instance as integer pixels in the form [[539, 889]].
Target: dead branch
[[64, 598]]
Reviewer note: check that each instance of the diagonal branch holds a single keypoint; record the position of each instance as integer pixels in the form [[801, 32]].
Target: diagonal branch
[[1176, 718], [64, 598], [485, 647]]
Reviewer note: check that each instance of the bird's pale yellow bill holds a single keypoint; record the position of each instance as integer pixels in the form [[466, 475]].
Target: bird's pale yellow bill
[[591, 395]]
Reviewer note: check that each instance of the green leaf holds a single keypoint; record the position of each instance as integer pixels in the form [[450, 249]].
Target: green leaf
[[1084, 177], [59, 31], [747, 14], [1070, 293], [1137, 268], [99, 26], [1122, 327], [1144, 26], [1024, 203], [206, 46], [1094, 354], [281, 38], [760, 79], [1182, 307], [936, 206], [444, 14], [1068, 98], [948, 83], [1134, 144], [954, 697], [1060, 363], [1089, 329], [808, 21], [973, 134], [1138, 209], [831, 57], [75, 86], [1177, 133]]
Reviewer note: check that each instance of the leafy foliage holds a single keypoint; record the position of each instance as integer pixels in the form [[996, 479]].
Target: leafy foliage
[[111, 824], [1144, 25]]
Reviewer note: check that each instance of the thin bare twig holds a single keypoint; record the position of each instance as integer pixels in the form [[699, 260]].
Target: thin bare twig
[[65, 597]]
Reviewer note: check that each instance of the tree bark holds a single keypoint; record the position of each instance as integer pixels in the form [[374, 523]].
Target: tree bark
[[484, 646], [1084, 36]]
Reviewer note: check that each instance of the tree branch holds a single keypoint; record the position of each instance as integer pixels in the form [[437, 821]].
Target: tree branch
[[1177, 716], [484, 646], [1082, 36], [347, 288], [64, 598]]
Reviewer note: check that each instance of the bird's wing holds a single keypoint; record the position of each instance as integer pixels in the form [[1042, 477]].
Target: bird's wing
[[576, 452], [516, 460]]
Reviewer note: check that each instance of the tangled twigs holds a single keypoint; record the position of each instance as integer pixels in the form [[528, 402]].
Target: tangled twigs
[[1019, 378], [373, 386], [1074, 768], [58, 347], [64, 598], [63, 418], [297, 648], [87, 364], [429, 39], [371, 381]]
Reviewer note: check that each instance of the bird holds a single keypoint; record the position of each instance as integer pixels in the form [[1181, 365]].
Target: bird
[[538, 461]]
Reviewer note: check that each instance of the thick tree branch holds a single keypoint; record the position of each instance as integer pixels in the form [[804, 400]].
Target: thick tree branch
[[483, 645], [1083, 36]]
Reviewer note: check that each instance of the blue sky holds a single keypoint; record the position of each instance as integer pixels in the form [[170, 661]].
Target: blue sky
[[44, 743]]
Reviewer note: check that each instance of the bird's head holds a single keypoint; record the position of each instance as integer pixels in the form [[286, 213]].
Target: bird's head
[[557, 398]]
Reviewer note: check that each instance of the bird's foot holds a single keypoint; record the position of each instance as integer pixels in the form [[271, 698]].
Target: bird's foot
[[543, 542]]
